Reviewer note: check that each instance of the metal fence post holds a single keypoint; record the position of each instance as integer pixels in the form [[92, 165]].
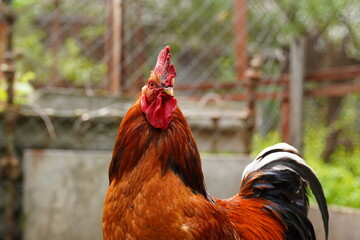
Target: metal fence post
[[297, 76], [253, 75], [55, 42], [240, 15], [114, 46], [285, 113], [10, 165]]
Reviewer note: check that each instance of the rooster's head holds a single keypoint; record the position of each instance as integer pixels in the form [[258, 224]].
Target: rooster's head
[[157, 99]]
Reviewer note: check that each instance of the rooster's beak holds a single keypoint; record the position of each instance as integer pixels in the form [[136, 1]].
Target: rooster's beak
[[169, 90]]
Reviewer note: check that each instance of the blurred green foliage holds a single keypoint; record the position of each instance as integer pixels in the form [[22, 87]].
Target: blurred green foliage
[[190, 26], [22, 88], [70, 62], [327, 19], [341, 177]]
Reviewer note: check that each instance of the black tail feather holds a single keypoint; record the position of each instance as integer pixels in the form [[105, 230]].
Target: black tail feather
[[282, 177], [308, 175]]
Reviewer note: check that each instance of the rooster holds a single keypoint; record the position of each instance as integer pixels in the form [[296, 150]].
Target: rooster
[[157, 188]]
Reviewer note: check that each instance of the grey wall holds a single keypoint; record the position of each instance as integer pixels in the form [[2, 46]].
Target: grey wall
[[64, 192]]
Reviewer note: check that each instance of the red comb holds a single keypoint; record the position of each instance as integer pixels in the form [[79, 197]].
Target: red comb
[[163, 67]]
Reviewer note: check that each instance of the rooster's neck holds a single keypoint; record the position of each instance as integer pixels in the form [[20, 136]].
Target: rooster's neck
[[171, 149]]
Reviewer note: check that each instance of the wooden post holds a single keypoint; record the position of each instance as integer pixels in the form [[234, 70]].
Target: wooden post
[[139, 36], [240, 22], [285, 114], [3, 35], [297, 76], [55, 42], [9, 164], [113, 46], [253, 76]]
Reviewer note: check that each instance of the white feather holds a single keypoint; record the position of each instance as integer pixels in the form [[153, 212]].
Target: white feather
[[281, 150]]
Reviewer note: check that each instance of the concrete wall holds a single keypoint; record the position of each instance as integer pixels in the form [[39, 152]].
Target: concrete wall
[[91, 123], [64, 190], [344, 223], [64, 193]]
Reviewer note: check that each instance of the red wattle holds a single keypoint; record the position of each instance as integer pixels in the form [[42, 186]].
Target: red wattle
[[159, 112]]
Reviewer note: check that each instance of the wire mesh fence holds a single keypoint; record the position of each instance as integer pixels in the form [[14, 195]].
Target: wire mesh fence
[[87, 50], [72, 44]]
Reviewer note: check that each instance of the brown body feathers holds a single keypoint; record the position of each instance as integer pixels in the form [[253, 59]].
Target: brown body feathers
[[157, 188]]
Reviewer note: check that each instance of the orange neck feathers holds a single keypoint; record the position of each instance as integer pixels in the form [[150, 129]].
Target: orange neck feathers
[[175, 148]]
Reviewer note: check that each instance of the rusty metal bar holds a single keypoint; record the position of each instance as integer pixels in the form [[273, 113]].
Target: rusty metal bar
[[113, 47], [334, 74], [206, 85], [334, 90], [262, 96], [285, 113], [107, 44], [10, 165], [240, 28], [327, 75], [55, 42], [139, 36], [253, 75], [3, 36]]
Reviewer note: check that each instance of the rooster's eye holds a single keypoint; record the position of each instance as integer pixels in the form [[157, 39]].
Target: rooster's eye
[[152, 85]]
